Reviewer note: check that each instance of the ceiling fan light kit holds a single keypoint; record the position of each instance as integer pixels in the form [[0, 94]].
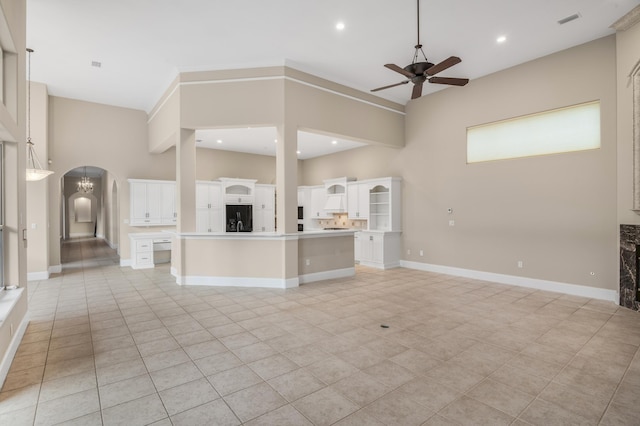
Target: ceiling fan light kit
[[419, 72]]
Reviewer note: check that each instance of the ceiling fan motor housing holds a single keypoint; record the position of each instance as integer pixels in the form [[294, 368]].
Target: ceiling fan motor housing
[[418, 68]]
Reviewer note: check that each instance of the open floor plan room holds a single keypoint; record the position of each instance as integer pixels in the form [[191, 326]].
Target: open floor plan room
[[111, 345]]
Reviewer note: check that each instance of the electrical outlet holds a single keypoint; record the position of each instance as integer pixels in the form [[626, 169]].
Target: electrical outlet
[[421, 252], [520, 264], [452, 223], [408, 252], [307, 262]]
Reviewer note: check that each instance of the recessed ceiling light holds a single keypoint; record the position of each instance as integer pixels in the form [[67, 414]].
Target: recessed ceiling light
[[298, 152], [276, 140], [334, 142], [501, 39], [219, 141], [340, 26]]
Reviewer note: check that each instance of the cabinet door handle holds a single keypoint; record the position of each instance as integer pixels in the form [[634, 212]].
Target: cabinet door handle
[[370, 237], [239, 199]]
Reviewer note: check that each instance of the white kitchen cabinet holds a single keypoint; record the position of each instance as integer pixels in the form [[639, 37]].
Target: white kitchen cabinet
[[318, 201], [264, 218], [146, 202], [378, 249], [209, 207], [385, 204], [169, 215], [358, 200], [142, 253]]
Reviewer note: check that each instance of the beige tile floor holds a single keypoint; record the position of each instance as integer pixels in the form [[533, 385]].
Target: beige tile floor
[[110, 345]]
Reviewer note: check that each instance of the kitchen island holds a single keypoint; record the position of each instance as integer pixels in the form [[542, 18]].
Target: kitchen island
[[245, 259]]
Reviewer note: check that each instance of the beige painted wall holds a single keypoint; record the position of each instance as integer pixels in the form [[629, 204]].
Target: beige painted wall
[[627, 55], [212, 164], [37, 192], [325, 254], [112, 138], [250, 258], [555, 213]]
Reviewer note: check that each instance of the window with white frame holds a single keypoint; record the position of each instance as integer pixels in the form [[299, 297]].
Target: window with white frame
[[573, 128]]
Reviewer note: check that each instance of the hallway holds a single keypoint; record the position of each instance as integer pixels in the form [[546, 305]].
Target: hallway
[[111, 345]]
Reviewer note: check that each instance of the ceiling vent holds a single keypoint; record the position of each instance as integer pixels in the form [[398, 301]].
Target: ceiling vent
[[96, 64], [569, 19]]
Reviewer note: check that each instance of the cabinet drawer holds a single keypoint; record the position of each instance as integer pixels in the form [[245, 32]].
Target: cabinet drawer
[[144, 245], [144, 258]]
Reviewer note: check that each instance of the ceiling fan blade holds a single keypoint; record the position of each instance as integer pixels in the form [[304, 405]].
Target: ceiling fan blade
[[389, 86], [417, 90], [401, 70], [447, 63], [449, 80]]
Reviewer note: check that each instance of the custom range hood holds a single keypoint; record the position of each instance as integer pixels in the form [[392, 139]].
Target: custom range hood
[[336, 201]]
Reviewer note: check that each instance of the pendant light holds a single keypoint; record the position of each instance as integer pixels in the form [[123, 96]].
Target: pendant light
[[85, 185], [34, 168]]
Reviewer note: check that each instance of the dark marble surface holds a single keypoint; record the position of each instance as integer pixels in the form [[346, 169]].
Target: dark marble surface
[[629, 240]]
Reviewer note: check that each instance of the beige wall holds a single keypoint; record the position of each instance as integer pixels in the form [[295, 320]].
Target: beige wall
[[112, 138], [212, 164], [325, 254], [552, 212], [627, 56], [37, 192]]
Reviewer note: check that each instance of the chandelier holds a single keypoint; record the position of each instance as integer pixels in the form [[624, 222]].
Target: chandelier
[[34, 169], [85, 185]]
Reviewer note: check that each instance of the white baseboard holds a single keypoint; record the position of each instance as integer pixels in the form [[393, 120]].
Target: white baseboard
[[238, 282], [327, 275], [55, 269], [378, 265], [100, 236], [37, 276], [125, 262], [553, 286]]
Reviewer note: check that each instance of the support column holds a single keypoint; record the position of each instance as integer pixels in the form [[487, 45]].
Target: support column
[[185, 196], [287, 195]]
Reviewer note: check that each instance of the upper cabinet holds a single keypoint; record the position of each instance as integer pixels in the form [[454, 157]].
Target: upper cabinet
[[385, 204], [152, 202], [209, 207], [264, 209], [238, 191], [358, 200]]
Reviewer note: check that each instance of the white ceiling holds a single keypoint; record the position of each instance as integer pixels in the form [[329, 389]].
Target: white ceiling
[[143, 44], [262, 141]]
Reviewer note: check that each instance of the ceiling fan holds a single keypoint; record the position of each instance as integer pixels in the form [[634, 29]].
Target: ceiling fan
[[419, 72]]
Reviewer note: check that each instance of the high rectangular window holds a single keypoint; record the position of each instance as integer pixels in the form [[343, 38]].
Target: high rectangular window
[[573, 128]]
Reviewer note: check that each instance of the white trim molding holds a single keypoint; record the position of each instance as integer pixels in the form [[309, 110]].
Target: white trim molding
[[327, 275], [37, 276], [125, 262], [237, 281], [553, 286]]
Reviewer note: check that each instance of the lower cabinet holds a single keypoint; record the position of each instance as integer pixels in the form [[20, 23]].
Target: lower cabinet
[[377, 249]]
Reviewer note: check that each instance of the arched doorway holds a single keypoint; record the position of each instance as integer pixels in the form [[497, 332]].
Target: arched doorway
[[89, 216]]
